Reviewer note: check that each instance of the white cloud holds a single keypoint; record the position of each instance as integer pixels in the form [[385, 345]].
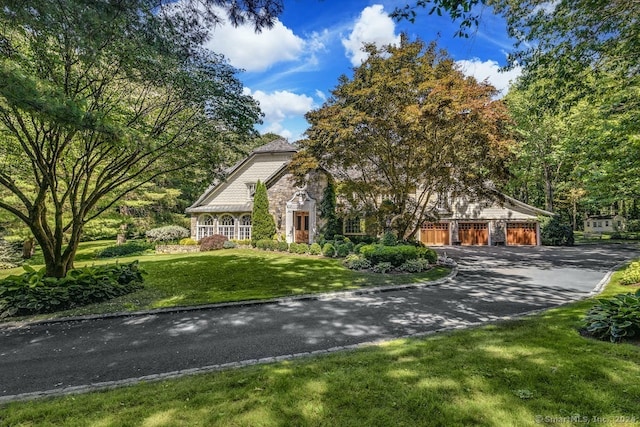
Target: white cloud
[[257, 51], [320, 94], [372, 26], [490, 71], [280, 106]]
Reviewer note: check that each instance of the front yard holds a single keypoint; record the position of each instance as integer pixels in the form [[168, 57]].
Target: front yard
[[534, 371], [230, 275]]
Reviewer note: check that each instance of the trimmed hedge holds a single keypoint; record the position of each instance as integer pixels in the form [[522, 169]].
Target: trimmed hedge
[[395, 255], [132, 247], [33, 292]]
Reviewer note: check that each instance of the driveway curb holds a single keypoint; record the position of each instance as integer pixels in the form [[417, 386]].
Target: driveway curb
[[186, 309]]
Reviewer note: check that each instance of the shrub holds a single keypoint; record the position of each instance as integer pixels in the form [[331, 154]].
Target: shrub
[[343, 249], [169, 233], [187, 241], [428, 254], [10, 254], [389, 239], [298, 248], [282, 246], [242, 242], [356, 248], [315, 249], [555, 233], [415, 265], [616, 318], [32, 292], [328, 250], [396, 255], [268, 244], [382, 267], [355, 262], [228, 245], [132, 247], [633, 225], [212, 243], [631, 274]]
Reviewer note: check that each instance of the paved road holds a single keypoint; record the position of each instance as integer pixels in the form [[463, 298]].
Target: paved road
[[492, 283]]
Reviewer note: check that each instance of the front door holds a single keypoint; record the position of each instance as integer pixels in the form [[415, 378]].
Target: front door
[[301, 225]]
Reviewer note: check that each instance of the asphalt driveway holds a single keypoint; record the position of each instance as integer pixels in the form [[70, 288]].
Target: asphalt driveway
[[492, 284]]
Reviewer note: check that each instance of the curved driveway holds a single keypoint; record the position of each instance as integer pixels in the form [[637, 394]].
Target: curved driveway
[[492, 284]]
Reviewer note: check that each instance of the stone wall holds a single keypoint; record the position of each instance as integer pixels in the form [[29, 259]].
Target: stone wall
[[284, 189], [177, 249]]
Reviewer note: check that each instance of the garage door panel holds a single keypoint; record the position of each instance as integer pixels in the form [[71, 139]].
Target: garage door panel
[[522, 234], [473, 233], [435, 234]]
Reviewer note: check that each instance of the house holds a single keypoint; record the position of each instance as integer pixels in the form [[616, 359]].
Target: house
[[225, 208], [500, 220], [604, 223]]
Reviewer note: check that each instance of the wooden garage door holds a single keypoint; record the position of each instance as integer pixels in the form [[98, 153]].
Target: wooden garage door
[[473, 233], [521, 233], [435, 233]]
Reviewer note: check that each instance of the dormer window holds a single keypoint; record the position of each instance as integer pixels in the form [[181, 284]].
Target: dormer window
[[251, 189]]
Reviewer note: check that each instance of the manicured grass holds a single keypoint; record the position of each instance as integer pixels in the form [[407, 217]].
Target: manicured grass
[[516, 373], [231, 275]]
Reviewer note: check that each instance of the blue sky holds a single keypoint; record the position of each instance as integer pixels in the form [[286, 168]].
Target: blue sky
[[292, 68]]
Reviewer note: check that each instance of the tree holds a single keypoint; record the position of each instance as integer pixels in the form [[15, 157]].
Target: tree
[[328, 211], [263, 225], [408, 128], [98, 98]]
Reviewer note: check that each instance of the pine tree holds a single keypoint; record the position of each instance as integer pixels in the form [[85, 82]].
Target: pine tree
[[262, 223]]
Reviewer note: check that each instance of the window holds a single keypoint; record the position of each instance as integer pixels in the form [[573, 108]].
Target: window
[[606, 223], [205, 227], [353, 226], [244, 230], [588, 224], [619, 223], [227, 227], [599, 223], [251, 189]]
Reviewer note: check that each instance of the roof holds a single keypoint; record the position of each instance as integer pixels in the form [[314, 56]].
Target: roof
[[276, 146], [247, 207], [279, 145]]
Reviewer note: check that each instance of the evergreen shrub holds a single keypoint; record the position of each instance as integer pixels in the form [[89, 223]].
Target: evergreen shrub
[[315, 249], [263, 225], [328, 250]]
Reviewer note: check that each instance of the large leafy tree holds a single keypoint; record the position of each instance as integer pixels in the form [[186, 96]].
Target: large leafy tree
[[97, 98], [408, 128]]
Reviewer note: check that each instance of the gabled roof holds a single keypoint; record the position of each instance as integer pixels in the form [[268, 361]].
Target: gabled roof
[[274, 147]]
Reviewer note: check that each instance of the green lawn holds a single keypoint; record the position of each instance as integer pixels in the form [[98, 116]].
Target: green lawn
[[230, 275], [516, 373]]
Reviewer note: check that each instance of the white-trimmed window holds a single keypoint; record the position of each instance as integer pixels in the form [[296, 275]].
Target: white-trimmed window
[[206, 226], [244, 230], [227, 226], [353, 226]]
